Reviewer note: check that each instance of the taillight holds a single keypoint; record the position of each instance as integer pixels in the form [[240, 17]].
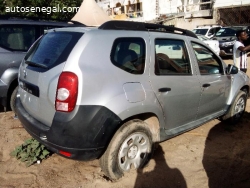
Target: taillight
[[66, 93]]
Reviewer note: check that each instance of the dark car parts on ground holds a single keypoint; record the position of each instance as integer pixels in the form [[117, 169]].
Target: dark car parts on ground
[[16, 37]]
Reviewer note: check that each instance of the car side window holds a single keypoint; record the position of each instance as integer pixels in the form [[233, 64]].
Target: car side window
[[171, 57], [14, 37], [208, 62], [211, 31], [128, 54], [217, 29]]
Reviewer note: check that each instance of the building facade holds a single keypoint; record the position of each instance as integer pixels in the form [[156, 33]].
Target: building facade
[[180, 13]]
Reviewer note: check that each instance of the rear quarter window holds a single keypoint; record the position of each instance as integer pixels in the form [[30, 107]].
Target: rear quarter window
[[52, 49], [128, 54]]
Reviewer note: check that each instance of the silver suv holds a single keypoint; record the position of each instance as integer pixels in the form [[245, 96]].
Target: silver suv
[[115, 91]]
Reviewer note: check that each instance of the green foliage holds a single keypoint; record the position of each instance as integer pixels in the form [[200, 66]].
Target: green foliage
[[2, 6], [30, 152], [52, 4]]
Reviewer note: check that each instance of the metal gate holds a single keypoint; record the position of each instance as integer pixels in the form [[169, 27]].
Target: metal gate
[[234, 16]]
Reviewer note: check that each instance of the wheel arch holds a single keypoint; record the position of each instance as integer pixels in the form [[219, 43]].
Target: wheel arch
[[240, 82], [10, 78], [246, 89], [151, 121], [10, 75], [229, 116]]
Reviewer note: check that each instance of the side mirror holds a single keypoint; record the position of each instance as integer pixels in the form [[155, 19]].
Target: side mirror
[[231, 69]]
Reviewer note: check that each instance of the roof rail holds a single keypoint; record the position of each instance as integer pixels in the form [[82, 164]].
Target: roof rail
[[141, 26]]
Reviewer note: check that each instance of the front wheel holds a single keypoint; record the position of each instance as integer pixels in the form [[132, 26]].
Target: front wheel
[[237, 109], [131, 147]]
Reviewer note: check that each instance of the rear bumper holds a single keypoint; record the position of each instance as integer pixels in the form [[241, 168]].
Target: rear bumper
[[84, 133]]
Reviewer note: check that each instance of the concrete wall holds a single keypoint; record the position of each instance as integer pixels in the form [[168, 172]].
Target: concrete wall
[[149, 9], [229, 3], [170, 7], [189, 24]]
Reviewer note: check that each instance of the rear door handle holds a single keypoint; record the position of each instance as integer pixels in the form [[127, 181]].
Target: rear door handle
[[205, 85], [165, 89]]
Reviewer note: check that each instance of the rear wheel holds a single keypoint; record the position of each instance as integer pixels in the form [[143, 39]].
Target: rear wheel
[[131, 147]]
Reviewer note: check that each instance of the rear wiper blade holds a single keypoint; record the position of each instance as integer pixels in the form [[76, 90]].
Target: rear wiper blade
[[36, 64]]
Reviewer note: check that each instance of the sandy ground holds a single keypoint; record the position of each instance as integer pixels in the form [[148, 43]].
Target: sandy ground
[[215, 155]]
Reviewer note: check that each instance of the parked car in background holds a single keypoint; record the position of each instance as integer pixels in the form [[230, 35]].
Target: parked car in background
[[207, 30], [16, 37], [113, 92], [214, 44], [227, 37]]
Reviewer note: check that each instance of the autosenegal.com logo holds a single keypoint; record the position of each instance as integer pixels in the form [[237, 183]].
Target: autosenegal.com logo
[[47, 10]]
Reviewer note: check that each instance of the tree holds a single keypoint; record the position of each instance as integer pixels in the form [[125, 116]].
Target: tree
[[2, 6]]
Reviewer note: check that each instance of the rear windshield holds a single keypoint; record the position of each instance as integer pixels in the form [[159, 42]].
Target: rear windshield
[[52, 49]]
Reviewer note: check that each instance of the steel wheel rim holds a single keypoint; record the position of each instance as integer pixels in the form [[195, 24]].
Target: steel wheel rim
[[239, 107], [133, 151]]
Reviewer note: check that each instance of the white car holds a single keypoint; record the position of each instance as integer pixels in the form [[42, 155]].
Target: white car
[[207, 30], [214, 44]]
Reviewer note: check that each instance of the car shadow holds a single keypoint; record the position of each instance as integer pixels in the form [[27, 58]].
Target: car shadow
[[162, 176], [226, 157]]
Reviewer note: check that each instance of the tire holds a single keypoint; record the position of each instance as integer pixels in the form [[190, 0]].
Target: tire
[[131, 146], [237, 109], [13, 100]]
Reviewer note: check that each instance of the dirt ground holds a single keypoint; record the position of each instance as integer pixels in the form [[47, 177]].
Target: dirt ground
[[215, 155]]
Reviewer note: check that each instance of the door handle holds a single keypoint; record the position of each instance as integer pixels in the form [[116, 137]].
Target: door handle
[[205, 85], [165, 89]]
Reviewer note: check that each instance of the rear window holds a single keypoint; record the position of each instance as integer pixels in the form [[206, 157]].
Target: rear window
[[52, 49]]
